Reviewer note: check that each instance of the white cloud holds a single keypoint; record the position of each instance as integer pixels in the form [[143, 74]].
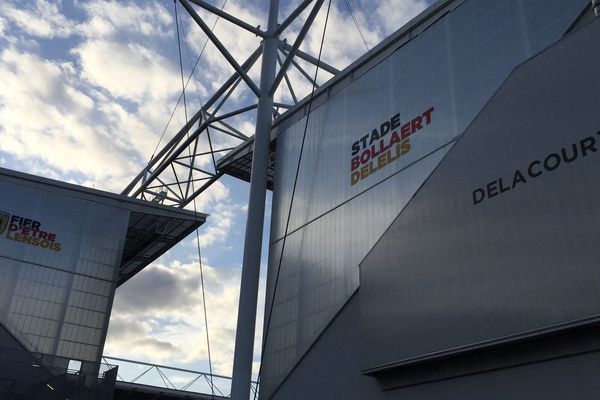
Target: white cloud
[[40, 18], [45, 116], [376, 19], [109, 17], [168, 327], [93, 115], [135, 72], [394, 13], [218, 225], [213, 68]]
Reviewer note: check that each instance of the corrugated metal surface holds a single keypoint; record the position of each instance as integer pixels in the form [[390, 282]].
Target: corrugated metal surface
[[454, 66], [58, 299], [501, 242]]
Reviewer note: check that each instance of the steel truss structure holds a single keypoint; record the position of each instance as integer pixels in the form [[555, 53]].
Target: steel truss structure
[[187, 165], [132, 373]]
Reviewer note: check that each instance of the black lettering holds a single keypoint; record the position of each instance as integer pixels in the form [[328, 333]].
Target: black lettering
[[492, 189], [587, 144], [530, 169], [396, 121], [518, 178], [478, 196], [385, 128], [363, 141], [502, 187], [550, 167], [565, 157], [355, 150], [374, 136], [36, 225]]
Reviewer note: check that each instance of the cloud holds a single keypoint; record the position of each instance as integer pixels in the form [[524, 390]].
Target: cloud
[[107, 18], [376, 19], [168, 327], [40, 18], [45, 116], [92, 113], [218, 225], [100, 108], [394, 14], [135, 72]]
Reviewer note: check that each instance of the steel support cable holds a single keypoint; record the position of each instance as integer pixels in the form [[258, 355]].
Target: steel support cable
[[196, 216], [187, 47], [356, 23], [186, 84], [287, 223]]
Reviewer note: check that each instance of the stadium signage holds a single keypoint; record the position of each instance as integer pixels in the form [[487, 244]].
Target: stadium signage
[[536, 168], [385, 144], [27, 231]]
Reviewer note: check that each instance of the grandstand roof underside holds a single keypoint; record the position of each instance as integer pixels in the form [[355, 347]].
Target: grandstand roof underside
[[238, 162], [152, 229]]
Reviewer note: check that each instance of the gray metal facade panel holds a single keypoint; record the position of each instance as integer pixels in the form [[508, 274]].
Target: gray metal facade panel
[[331, 369], [57, 300], [473, 260], [455, 66], [320, 266]]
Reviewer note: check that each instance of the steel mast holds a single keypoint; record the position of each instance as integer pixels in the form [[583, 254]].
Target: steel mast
[[244, 335]]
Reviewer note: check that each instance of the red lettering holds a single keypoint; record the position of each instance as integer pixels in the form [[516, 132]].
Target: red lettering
[[427, 115], [374, 152], [365, 156], [382, 146], [405, 131], [416, 124], [394, 139], [355, 163]]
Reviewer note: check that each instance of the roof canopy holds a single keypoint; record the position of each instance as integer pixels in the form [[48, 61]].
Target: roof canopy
[[152, 229]]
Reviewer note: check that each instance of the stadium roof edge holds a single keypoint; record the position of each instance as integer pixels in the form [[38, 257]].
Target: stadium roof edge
[[152, 229], [238, 162]]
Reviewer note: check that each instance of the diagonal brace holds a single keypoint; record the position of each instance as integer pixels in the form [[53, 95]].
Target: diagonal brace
[[208, 32], [296, 46], [292, 16], [229, 17], [307, 57], [169, 147]]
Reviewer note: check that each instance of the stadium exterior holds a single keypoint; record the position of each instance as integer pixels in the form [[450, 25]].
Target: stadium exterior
[[442, 241], [63, 251]]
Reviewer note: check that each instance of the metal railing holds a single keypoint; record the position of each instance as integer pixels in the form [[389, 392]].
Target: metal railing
[[173, 378], [40, 376]]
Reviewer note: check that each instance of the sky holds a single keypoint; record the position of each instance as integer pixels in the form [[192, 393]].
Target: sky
[[86, 90]]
